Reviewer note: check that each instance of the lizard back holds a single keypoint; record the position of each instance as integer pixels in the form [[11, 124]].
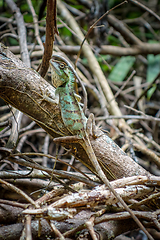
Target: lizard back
[[63, 79]]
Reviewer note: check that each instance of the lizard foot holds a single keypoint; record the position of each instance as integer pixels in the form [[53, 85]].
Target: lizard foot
[[91, 126]]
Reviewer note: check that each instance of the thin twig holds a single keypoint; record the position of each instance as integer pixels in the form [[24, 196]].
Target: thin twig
[[125, 83], [36, 27], [92, 27], [147, 117], [145, 8], [19, 191]]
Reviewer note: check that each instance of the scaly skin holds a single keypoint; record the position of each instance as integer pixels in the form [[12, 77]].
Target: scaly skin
[[72, 114]]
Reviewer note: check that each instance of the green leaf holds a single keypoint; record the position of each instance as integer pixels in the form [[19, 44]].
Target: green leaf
[[151, 91], [121, 69], [153, 67], [153, 70]]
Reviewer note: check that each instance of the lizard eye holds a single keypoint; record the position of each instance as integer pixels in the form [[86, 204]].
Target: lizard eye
[[62, 65]]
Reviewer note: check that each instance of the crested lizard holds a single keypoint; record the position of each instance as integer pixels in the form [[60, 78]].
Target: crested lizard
[[63, 78]]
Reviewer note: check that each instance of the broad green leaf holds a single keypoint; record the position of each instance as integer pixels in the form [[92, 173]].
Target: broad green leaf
[[151, 91], [153, 70], [153, 67], [121, 69]]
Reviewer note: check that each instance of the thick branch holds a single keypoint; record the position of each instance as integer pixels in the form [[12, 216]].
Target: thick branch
[[24, 89]]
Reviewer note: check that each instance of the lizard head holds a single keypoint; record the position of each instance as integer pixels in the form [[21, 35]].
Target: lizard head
[[61, 72]]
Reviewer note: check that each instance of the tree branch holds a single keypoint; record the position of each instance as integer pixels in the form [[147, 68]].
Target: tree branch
[[24, 89]]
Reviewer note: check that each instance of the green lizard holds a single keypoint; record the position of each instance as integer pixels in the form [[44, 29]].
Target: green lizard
[[63, 78]]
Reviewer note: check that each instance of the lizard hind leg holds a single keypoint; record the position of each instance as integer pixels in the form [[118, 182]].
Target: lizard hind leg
[[91, 126]]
